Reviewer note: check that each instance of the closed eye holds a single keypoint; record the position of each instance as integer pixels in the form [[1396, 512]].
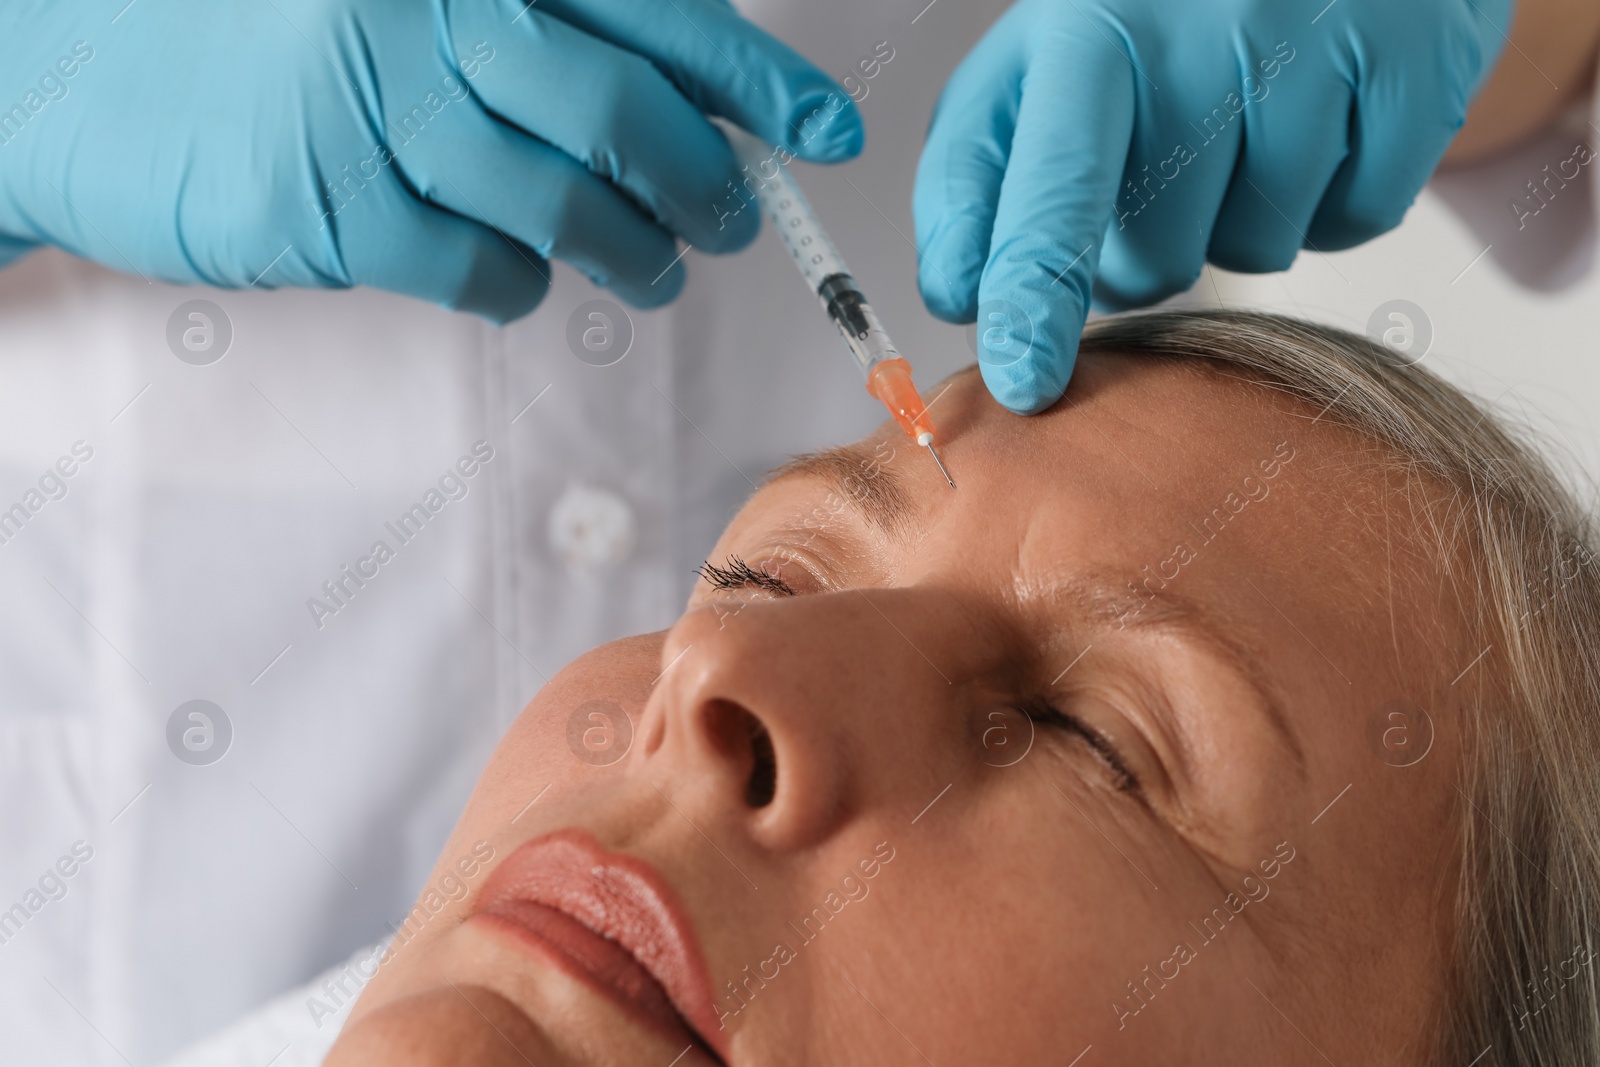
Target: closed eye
[[737, 574], [1042, 711]]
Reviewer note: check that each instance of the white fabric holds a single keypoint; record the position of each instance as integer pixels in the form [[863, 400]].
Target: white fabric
[[295, 1029], [218, 499]]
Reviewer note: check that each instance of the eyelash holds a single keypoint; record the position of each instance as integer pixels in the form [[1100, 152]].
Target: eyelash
[[1042, 711], [737, 574]]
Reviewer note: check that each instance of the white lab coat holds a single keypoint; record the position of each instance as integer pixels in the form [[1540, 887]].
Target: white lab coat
[[216, 500], [219, 499]]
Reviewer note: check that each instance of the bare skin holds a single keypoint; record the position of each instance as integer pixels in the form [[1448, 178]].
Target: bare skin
[[1042, 882], [1548, 63]]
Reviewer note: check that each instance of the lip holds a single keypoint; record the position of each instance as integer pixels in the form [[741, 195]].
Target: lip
[[611, 921]]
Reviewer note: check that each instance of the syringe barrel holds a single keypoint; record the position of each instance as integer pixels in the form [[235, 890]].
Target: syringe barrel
[[859, 324], [812, 249], [780, 197]]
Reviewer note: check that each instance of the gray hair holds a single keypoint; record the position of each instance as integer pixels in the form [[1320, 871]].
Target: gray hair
[[1521, 991]]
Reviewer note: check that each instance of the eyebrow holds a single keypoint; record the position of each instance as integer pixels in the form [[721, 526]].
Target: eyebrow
[[865, 481], [1101, 599]]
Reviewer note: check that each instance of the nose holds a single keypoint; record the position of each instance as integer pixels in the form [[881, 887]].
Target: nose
[[793, 717]]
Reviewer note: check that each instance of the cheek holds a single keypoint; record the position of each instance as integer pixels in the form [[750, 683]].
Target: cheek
[[1051, 918], [571, 739]]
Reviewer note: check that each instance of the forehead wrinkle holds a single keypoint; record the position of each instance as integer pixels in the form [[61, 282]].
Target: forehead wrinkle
[[861, 479]]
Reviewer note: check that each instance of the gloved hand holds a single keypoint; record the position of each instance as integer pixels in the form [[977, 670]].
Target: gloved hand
[[1108, 148], [441, 148]]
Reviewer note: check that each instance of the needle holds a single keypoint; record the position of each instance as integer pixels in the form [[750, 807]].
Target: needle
[[940, 462]]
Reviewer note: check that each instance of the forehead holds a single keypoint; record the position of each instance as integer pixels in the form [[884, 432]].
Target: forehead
[[1159, 423], [1132, 438]]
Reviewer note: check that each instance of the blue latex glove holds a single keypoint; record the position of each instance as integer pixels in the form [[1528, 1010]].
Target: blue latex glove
[[440, 148], [1108, 148]]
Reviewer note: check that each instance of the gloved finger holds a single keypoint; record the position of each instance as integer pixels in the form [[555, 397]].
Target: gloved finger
[[390, 240], [1179, 166], [963, 164], [1400, 126], [543, 198], [14, 248], [1294, 142], [613, 112], [728, 66], [1060, 183]]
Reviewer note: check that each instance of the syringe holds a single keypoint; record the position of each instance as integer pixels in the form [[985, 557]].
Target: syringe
[[888, 374]]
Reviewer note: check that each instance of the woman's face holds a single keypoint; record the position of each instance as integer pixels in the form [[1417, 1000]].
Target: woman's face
[[1112, 755]]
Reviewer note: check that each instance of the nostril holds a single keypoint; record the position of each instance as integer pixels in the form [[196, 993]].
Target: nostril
[[742, 739], [763, 783]]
